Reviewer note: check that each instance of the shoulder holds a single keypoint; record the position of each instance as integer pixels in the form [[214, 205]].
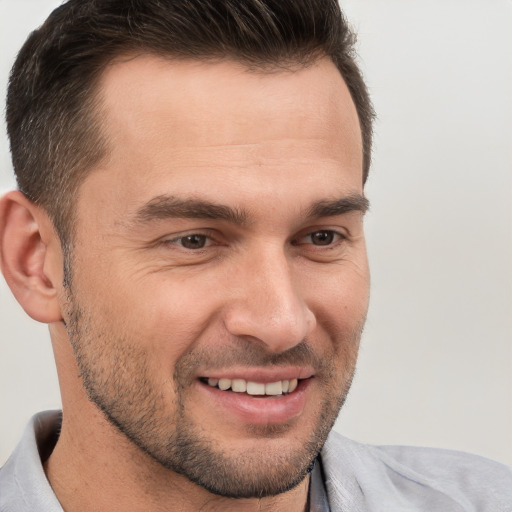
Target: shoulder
[[383, 478]]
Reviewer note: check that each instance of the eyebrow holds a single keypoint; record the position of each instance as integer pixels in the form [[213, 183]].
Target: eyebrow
[[165, 207], [327, 208]]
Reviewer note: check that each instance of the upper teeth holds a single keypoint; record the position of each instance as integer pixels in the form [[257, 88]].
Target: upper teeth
[[255, 388]]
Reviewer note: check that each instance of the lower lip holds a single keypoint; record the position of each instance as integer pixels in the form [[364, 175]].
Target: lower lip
[[259, 410]]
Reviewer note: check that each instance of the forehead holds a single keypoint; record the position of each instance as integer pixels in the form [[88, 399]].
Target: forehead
[[197, 124], [202, 91]]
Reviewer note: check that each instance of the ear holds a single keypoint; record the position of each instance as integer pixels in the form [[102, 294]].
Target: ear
[[31, 257]]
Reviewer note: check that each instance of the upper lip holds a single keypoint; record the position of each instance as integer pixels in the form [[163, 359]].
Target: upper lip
[[262, 375]]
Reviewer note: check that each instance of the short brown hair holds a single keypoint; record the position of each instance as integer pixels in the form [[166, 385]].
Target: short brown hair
[[52, 117]]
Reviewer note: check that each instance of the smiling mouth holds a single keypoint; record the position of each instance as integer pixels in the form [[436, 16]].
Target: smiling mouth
[[278, 388]]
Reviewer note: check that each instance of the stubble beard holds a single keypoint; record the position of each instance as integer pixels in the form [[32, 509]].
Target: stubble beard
[[116, 375]]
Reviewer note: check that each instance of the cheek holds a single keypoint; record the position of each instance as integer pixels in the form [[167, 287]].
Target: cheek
[[340, 309], [169, 316], [341, 297]]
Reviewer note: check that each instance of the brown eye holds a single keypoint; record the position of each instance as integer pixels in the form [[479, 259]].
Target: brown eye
[[322, 237], [193, 241]]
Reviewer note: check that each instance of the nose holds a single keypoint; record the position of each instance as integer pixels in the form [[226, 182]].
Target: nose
[[267, 303]]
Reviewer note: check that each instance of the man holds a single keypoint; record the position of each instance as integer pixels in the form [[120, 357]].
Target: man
[[189, 222]]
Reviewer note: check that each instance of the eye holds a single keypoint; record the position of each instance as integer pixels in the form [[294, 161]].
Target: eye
[[322, 237], [193, 241]]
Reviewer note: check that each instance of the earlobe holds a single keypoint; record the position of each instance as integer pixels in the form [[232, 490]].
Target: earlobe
[[29, 257]]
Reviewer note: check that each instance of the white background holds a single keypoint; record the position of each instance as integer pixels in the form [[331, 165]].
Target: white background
[[436, 360]]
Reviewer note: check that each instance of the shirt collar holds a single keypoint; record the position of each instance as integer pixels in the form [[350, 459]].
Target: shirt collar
[[318, 501], [23, 483]]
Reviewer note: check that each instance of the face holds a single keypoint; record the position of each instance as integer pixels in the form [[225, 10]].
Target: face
[[219, 275]]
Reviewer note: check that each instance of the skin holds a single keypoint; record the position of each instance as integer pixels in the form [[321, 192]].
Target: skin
[[146, 318]]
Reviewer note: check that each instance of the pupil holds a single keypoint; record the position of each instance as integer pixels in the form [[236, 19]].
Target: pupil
[[322, 237], [193, 241]]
